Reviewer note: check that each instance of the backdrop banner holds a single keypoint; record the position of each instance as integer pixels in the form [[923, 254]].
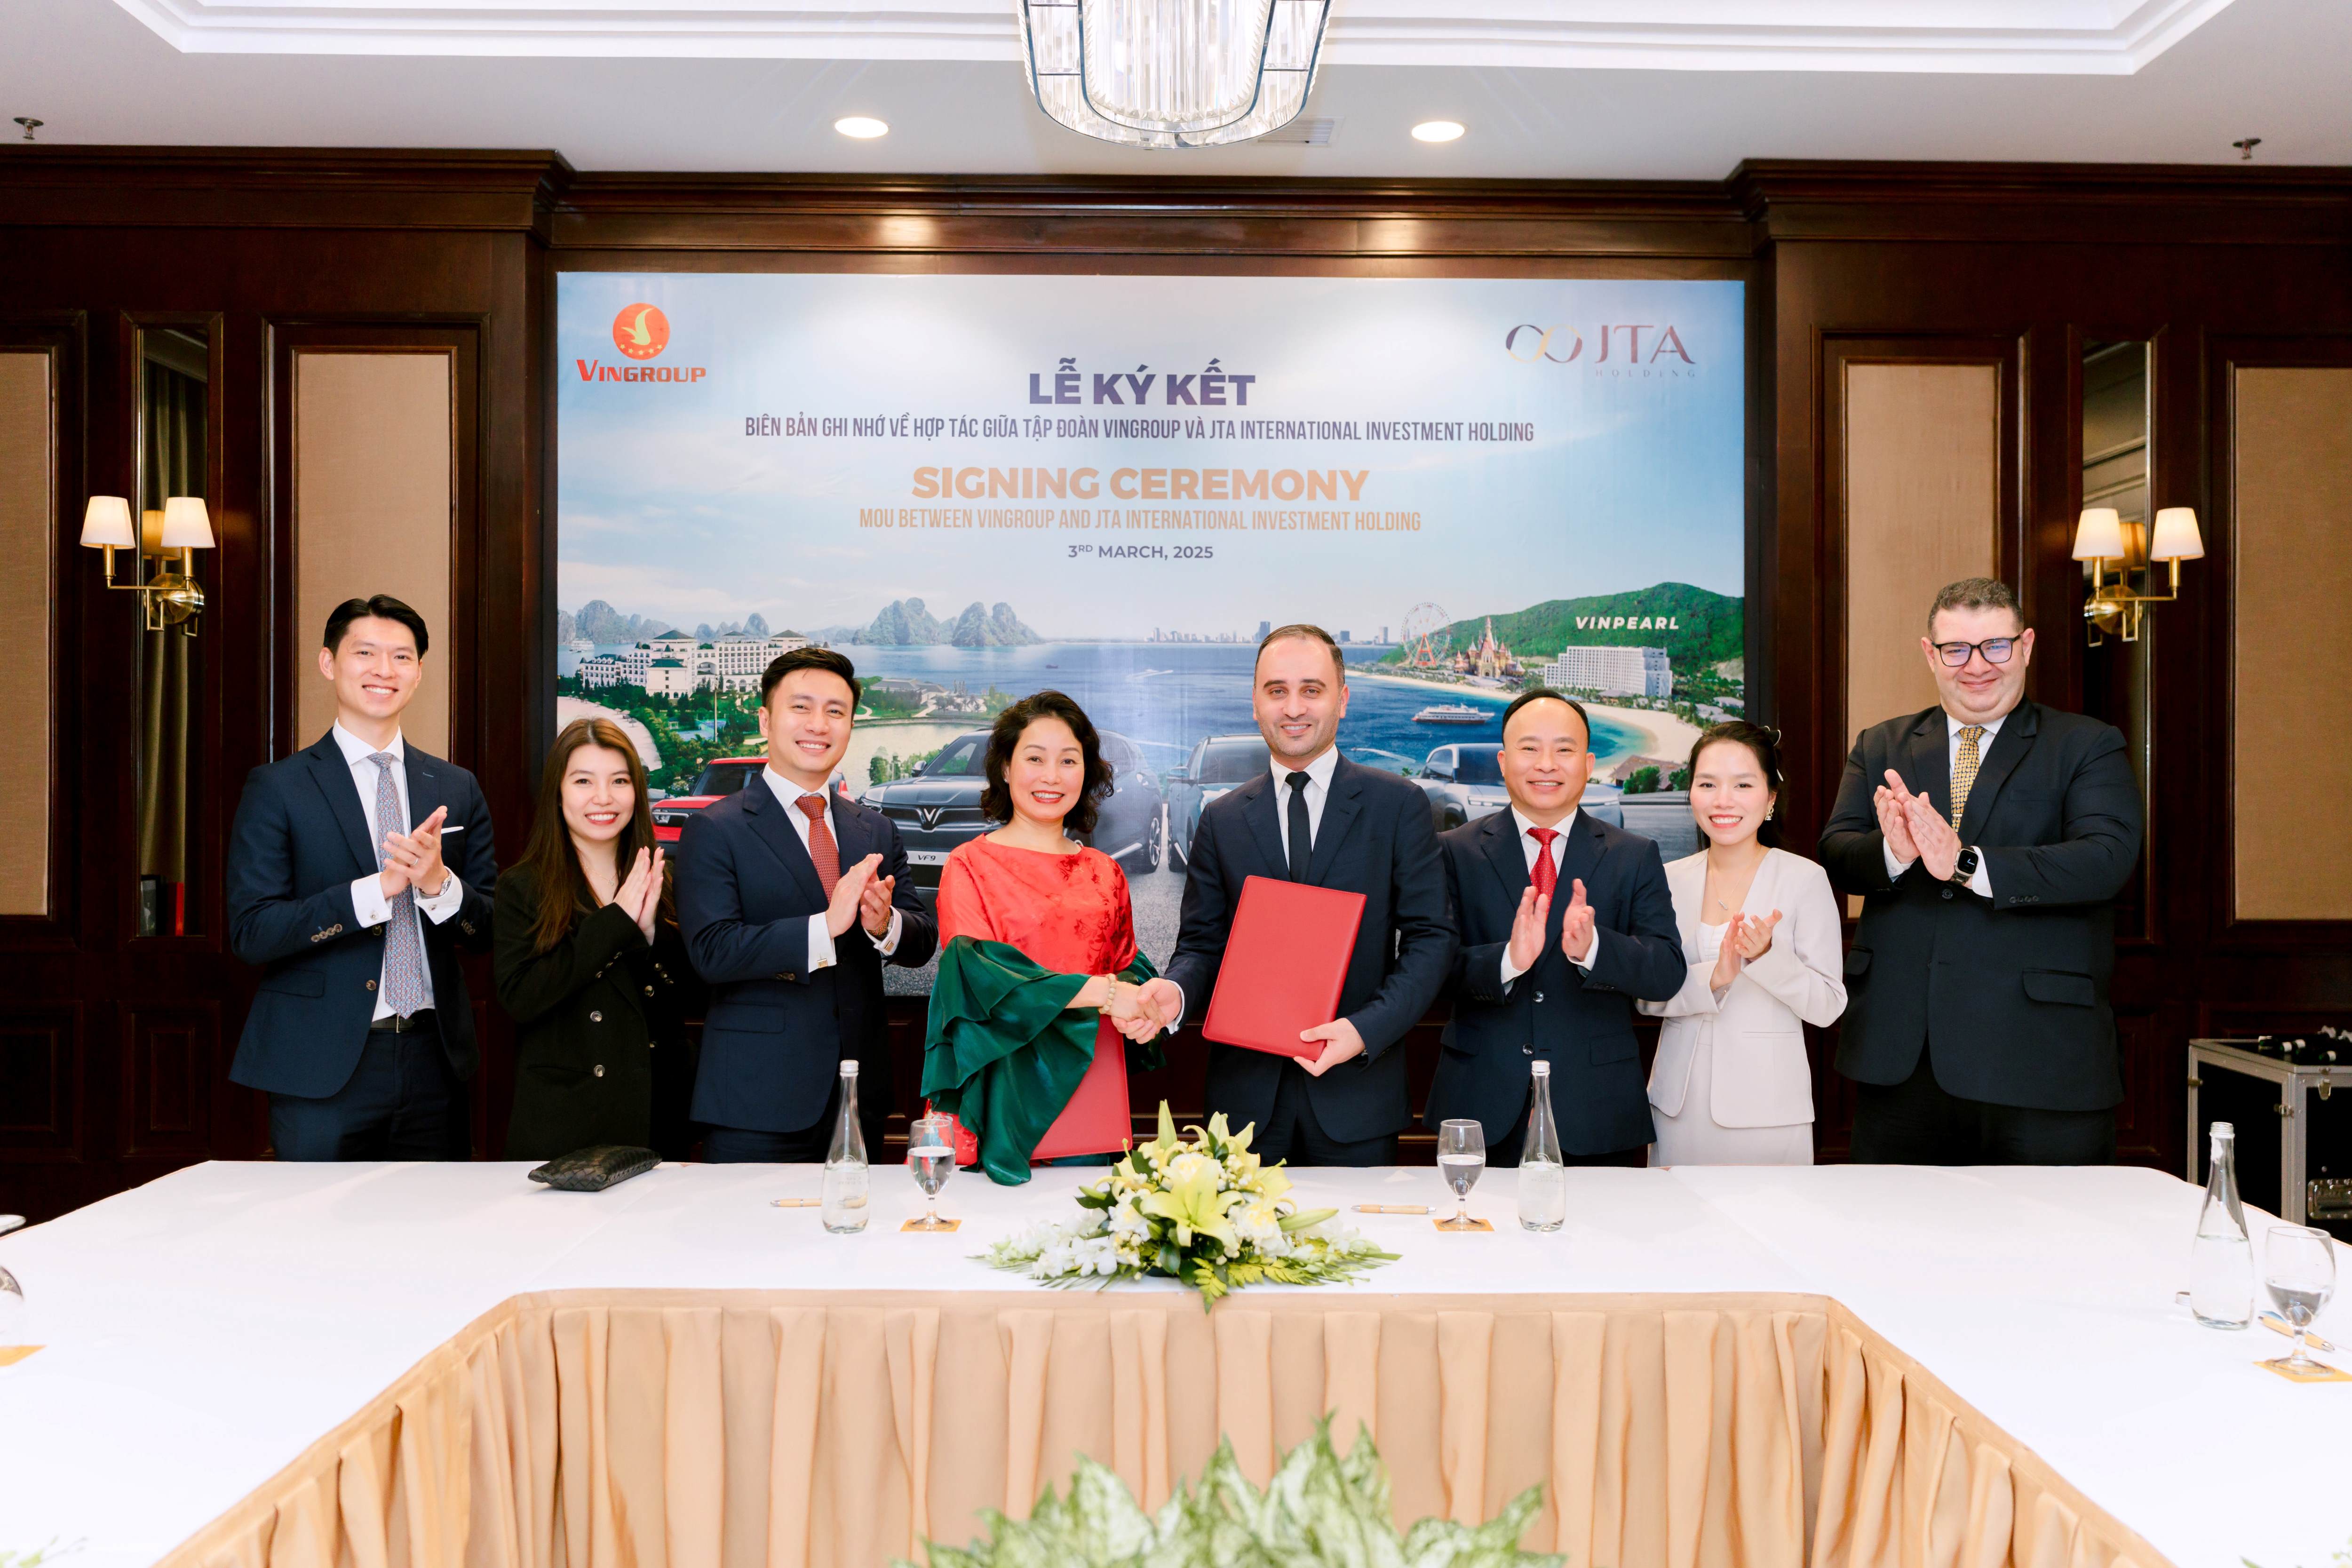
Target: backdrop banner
[[981, 487]]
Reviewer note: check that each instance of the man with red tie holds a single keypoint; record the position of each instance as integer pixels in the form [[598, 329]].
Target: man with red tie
[[1566, 922], [792, 897]]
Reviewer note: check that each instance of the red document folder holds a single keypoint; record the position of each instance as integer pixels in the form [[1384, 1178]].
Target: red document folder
[[1094, 1123], [1284, 966]]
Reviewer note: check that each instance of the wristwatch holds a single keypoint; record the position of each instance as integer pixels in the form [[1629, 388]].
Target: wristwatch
[[1964, 866]]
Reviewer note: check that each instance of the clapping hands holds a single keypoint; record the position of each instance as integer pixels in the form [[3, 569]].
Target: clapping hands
[[413, 859], [1745, 939], [849, 901], [1577, 932], [1914, 829], [639, 894]]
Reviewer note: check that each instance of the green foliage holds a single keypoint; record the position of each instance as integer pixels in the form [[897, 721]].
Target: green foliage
[[1709, 627], [49, 1551], [1641, 781], [2342, 1557], [1322, 1508]]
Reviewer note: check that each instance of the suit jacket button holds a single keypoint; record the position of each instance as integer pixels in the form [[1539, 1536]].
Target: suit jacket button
[[1948, 892], [649, 990], [370, 984], [596, 1018], [1538, 995], [1526, 1050], [600, 1069]]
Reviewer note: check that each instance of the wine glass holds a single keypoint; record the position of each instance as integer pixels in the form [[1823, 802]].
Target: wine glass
[[2299, 1271], [930, 1155], [1461, 1156]]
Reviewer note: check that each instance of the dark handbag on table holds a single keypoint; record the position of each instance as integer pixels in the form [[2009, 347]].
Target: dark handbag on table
[[593, 1169]]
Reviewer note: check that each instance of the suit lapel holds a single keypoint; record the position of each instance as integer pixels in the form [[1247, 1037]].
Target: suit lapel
[[2009, 745], [1926, 764], [333, 777], [1266, 824], [1342, 805], [1579, 858], [784, 841], [425, 793], [1503, 852]]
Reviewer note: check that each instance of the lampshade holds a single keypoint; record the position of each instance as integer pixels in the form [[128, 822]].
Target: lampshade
[[187, 524], [107, 520], [1172, 73], [2176, 536], [2099, 535]]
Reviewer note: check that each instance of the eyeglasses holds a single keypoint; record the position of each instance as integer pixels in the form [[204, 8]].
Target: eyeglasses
[[1995, 649]]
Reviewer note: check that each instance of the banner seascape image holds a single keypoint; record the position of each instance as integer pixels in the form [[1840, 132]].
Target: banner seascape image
[[978, 488]]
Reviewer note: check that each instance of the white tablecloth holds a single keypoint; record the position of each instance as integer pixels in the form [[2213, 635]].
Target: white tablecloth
[[203, 1330]]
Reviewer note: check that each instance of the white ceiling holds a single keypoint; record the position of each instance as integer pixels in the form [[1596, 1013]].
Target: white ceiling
[[1549, 88]]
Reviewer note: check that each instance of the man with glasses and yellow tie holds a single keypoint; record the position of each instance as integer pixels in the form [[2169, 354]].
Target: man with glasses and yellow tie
[[1987, 838]]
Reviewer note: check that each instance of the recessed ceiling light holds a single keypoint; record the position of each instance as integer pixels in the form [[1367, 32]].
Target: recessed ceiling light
[[865, 127], [1437, 130]]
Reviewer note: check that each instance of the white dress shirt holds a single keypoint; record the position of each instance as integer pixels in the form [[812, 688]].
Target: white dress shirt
[[1531, 847], [368, 906], [821, 954], [1981, 883], [1319, 790]]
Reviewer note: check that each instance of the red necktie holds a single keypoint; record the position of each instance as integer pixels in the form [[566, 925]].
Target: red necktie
[[1545, 875], [822, 848]]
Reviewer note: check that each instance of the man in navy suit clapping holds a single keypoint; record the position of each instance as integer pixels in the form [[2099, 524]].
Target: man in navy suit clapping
[[1566, 922], [339, 887], [792, 897]]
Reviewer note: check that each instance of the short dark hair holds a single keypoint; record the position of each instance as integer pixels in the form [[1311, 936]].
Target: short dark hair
[[1301, 629], [1974, 594], [1545, 694], [996, 800], [823, 659], [381, 606], [1764, 744]]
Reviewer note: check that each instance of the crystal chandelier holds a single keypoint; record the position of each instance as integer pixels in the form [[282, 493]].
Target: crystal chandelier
[[1172, 73]]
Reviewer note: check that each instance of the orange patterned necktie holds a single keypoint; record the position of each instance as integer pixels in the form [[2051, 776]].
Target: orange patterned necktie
[[1964, 770], [822, 848]]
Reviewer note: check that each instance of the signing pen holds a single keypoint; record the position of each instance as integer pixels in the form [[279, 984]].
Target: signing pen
[[1392, 1208]]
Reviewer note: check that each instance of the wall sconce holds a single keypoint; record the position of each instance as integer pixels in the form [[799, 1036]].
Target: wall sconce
[[2104, 539], [170, 598]]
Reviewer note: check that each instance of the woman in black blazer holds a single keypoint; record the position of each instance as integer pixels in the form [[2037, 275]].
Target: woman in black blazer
[[589, 964]]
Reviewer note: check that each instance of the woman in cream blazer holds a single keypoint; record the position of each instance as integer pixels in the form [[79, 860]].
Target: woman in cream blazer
[[1732, 1085]]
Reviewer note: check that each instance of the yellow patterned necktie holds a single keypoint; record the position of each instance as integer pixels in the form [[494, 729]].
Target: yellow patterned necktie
[[1964, 770]]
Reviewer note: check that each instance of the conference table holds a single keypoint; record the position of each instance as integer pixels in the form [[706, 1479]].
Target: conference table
[[260, 1366]]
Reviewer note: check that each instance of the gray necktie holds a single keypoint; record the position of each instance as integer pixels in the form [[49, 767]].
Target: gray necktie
[[404, 944]]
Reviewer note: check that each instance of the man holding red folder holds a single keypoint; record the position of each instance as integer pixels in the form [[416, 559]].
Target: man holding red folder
[[1319, 818], [1565, 923]]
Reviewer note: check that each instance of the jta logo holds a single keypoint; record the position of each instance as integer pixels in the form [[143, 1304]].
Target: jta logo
[[1532, 344]]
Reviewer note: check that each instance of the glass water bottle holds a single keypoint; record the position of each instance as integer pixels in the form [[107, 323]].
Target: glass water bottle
[[1543, 1181], [843, 1206], [2222, 1263]]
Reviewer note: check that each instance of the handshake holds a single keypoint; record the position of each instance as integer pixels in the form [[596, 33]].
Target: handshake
[[1140, 1012]]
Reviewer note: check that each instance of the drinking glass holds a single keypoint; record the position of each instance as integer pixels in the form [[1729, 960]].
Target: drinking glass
[[930, 1155], [1461, 1156], [2299, 1271]]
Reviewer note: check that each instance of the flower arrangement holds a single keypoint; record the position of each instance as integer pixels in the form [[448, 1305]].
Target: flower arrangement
[[1202, 1210], [1321, 1510]]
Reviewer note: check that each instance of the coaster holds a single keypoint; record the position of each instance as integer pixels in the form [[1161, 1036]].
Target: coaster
[[2319, 1373], [11, 1355], [1444, 1229], [941, 1228]]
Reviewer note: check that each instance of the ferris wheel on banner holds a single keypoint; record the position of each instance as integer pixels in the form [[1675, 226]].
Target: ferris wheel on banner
[[1428, 636]]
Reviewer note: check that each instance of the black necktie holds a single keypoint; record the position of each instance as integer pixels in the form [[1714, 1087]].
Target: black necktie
[[1302, 836]]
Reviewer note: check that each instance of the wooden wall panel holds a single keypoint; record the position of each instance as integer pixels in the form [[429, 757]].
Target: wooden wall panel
[[2291, 654], [374, 476], [1922, 509], [28, 533]]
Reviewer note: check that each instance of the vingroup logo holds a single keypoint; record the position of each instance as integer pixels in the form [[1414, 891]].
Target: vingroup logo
[[640, 331]]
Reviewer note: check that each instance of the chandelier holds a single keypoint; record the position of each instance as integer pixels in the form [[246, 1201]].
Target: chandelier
[[1172, 73]]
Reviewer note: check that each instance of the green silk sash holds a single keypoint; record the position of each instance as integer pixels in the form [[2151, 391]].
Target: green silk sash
[[1004, 1050]]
